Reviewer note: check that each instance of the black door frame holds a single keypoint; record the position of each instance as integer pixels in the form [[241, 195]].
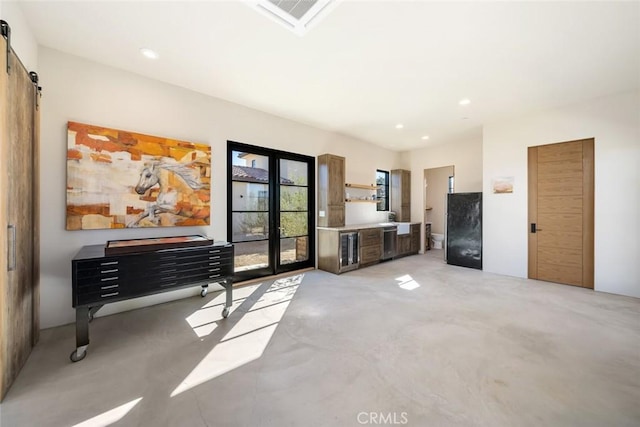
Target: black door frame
[[274, 218]]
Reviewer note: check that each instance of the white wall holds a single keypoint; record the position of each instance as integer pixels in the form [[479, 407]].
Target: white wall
[[22, 40], [466, 157], [79, 90], [614, 122]]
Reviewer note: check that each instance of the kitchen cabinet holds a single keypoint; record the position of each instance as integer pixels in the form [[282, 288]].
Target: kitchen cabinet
[[370, 246], [415, 238], [338, 250], [331, 184], [409, 244], [404, 245], [347, 248], [401, 194]]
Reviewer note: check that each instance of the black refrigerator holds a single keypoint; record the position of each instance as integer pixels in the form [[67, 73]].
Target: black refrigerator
[[464, 229]]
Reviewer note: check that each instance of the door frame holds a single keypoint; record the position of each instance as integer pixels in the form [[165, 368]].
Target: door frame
[[275, 267], [588, 210]]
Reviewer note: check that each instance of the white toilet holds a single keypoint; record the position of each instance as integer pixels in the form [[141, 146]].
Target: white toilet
[[437, 240]]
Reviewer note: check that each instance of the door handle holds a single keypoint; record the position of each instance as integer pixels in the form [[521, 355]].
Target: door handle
[[534, 229], [11, 253]]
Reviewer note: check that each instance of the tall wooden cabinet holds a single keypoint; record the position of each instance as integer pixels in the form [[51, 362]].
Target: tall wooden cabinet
[[19, 241], [401, 194], [331, 180]]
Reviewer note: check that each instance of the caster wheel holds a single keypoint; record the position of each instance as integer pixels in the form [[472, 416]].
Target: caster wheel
[[225, 312], [203, 292], [75, 357]]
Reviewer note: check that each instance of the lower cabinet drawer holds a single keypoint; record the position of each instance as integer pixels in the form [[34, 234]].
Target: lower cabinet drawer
[[370, 237], [370, 254]]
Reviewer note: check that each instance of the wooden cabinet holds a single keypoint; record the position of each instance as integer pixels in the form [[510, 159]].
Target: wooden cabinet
[[331, 176], [338, 250], [19, 220], [341, 250], [409, 244], [370, 246], [404, 245], [401, 194], [415, 238]]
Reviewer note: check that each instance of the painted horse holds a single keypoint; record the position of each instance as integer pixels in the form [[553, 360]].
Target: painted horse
[[158, 173]]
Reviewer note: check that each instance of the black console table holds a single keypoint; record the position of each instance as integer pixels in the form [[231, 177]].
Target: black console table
[[99, 279]]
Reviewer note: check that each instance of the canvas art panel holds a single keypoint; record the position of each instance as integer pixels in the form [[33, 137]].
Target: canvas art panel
[[502, 185], [121, 179]]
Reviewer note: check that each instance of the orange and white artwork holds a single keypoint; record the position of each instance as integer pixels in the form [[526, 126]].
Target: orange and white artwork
[[502, 184], [121, 179]]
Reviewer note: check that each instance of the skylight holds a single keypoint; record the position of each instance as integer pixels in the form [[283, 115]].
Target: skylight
[[296, 15]]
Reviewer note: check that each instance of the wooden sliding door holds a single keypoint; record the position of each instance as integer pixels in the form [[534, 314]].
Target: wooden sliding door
[[19, 275]]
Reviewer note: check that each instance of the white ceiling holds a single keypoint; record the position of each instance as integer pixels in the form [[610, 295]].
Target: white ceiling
[[367, 65]]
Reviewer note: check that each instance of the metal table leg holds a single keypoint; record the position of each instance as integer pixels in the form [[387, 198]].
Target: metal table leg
[[228, 286], [82, 334], [83, 316]]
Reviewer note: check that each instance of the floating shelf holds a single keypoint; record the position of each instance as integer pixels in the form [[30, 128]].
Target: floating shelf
[[362, 186]]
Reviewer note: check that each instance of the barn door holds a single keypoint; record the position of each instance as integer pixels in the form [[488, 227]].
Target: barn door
[[19, 295], [561, 212]]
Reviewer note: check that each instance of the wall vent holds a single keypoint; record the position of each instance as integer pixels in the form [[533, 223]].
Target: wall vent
[[296, 15]]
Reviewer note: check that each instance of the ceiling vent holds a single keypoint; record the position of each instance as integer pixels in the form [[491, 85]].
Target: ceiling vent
[[296, 15]]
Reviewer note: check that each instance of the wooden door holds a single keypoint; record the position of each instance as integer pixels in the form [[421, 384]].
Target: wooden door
[[18, 283], [561, 212]]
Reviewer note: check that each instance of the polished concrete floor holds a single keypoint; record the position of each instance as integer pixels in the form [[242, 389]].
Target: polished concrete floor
[[409, 342]]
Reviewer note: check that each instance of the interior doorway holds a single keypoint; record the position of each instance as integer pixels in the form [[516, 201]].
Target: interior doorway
[[437, 183]]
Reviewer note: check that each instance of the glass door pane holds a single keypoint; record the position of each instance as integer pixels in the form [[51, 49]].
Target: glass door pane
[[293, 212], [250, 216]]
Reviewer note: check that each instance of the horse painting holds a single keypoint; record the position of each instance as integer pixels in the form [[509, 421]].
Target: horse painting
[[170, 191], [119, 179]]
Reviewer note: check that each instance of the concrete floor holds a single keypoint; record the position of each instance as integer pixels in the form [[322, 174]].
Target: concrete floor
[[409, 342]]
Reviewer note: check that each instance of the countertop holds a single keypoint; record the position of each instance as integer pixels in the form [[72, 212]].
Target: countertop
[[354, 227]]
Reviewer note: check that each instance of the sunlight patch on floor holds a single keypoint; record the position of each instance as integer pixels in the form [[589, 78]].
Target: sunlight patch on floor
[[247, 340], [205, 320], [407, 282], [110, 417]]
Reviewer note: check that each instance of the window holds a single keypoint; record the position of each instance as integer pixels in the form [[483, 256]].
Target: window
[[382, 193]]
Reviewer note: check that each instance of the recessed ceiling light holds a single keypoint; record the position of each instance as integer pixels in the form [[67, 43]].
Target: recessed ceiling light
[[465, 101], [425, 137], [148, 53], [399, 126]]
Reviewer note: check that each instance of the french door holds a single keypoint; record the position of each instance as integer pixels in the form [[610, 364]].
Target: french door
[[271, 207]]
